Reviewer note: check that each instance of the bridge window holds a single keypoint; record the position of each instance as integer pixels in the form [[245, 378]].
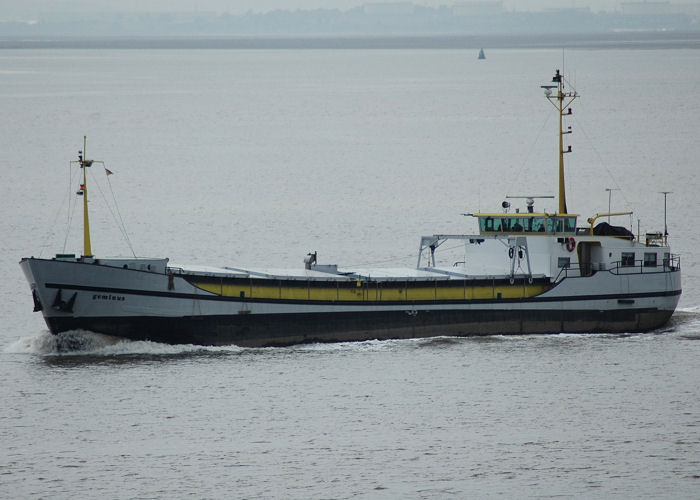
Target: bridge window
[[513, 224], [489, 224], [535, 225], [561, 225], [570, 224]]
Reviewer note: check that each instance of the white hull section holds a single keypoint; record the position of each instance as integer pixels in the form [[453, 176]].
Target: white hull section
[[143, 304]]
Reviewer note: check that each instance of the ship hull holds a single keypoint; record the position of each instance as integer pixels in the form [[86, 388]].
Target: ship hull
[[164, 308], [289, 329]]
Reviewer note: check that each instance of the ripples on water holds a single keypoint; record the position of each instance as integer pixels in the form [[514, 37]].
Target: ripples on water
[[252, 157], [548, 416]]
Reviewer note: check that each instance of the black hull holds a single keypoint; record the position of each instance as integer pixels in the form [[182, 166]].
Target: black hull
[[259, 330]]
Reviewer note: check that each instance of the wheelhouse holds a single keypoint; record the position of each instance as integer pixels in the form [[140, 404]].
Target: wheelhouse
[[528, 223]]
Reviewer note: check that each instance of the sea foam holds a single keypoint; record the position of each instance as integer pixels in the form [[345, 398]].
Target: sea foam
[[80, 342]]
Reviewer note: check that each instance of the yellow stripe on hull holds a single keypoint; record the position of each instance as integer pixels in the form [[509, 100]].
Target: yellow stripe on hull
[[373, 292]]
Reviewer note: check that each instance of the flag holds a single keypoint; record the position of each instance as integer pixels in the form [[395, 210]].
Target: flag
[[108, 171]]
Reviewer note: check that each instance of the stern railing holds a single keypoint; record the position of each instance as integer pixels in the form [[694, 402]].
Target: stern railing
[[670, 264]]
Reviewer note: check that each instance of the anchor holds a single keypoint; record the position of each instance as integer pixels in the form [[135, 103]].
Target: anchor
[[61, 305], [37, 302]]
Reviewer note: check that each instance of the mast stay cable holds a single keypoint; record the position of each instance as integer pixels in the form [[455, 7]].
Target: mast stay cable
[[119, 221]]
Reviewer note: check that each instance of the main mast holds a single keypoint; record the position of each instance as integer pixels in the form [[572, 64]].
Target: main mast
[[559, 104]]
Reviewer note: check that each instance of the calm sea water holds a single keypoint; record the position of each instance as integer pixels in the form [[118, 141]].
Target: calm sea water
[[234, 157]]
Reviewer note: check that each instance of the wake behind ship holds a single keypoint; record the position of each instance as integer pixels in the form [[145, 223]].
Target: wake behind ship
[[523, 273]]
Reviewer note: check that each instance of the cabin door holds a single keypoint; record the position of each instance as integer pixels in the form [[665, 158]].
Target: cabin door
[[589, 255]]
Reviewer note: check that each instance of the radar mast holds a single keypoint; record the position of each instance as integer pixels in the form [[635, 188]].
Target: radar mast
[[560, 101]]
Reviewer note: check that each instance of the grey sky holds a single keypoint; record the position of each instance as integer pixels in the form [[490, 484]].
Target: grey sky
[[32, 8]]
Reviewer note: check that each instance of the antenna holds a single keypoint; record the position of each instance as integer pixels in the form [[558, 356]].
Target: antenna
[[665, 193], [610, 190], [563, 72]]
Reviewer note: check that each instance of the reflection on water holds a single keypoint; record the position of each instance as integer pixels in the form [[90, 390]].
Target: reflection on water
[[555, 412]]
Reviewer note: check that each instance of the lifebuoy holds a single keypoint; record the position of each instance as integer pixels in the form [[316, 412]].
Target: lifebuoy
[[570, 244]]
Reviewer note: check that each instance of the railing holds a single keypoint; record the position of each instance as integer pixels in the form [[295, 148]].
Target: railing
[[670, 264], [568, 271], [638, 266]]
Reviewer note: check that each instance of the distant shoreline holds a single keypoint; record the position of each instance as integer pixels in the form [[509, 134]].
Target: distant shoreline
[[616, 40]]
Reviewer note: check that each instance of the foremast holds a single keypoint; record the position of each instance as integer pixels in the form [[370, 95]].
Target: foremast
[[561, 102], [84, 164]]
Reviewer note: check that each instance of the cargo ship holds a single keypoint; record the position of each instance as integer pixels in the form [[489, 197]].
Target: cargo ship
[[523, 272]]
